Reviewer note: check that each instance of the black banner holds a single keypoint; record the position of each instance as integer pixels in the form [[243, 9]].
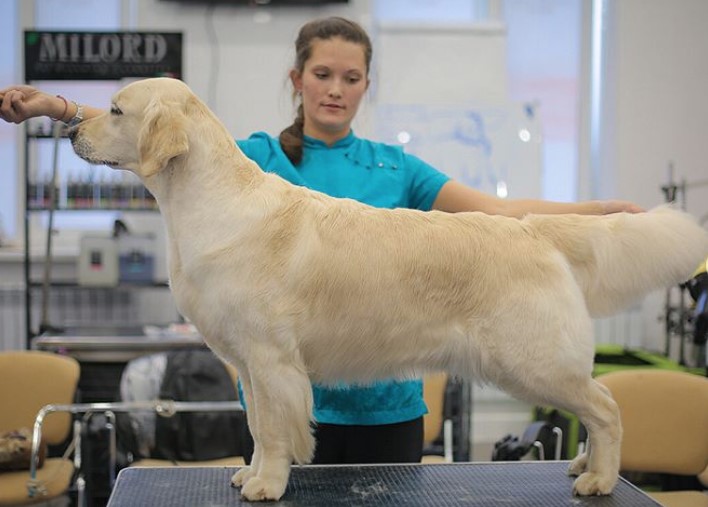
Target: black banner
[[51, 55]]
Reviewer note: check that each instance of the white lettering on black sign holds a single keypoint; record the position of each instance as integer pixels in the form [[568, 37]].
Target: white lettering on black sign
[[102, 55]]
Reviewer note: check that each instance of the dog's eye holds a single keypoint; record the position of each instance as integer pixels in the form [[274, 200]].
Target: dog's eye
[[116, 111]]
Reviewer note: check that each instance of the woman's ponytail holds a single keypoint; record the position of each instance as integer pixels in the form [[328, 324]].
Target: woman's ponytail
[[291, 138]]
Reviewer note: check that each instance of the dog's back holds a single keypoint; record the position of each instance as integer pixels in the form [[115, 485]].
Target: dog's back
[[385, 278], [615, 259]]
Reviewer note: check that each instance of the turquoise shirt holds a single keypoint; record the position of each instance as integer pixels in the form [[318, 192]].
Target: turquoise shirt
[[379, 175]]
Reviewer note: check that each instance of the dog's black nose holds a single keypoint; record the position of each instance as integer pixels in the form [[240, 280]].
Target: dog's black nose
[[72, 133]]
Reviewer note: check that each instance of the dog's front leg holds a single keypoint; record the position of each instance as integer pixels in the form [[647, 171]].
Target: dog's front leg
[[282, 405], [242, 476]]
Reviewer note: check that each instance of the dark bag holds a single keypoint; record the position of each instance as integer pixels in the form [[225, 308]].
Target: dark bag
[[198, 375]]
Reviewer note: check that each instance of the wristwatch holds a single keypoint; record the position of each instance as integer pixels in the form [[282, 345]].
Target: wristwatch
[[78, 117]]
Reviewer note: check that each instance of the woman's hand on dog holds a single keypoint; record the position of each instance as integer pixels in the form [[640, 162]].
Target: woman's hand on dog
[[21, 102], [616, 206]]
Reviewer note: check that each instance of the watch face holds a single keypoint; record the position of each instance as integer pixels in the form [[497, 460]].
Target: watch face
[[78, 117]]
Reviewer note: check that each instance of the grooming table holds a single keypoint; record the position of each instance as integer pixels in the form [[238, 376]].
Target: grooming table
[[521, 483], [112, 344]]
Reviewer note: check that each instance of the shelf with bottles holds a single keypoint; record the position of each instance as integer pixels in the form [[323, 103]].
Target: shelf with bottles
[[79, 185], [96, 189]]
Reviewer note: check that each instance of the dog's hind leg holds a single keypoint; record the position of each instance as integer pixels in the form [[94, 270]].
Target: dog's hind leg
[[602, 420], [282, 400], [579, 464], [598, 468]]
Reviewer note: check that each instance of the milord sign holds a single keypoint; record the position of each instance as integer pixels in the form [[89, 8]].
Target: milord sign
[[52, 55]]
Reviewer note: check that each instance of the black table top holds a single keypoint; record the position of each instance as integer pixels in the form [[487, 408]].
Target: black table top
[[538, 484]]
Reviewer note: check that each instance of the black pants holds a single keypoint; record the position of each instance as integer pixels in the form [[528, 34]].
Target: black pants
[[340, 444]]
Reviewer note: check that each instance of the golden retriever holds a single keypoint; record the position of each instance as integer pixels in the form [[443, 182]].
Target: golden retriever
[[293, 286]]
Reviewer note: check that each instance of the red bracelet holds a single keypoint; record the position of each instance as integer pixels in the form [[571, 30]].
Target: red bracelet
[[66, 108]]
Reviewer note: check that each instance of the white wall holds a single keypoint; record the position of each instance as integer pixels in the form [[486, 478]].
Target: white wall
[[660, 80], [238, 58], [655, 111]]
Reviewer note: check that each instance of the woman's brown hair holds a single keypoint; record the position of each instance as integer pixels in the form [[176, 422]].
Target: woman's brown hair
[[291, 138]]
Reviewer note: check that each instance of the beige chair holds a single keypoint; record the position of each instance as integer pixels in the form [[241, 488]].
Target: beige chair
[[703, 477], [30, 380], [434, 386], [665, 420]]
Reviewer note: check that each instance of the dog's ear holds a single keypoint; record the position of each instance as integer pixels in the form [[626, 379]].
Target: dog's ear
[[162, 137]]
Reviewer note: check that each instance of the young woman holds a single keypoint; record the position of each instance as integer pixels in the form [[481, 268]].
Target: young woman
[[381, 423]]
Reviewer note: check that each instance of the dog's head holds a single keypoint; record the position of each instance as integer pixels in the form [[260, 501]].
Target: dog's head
[[145, 128]]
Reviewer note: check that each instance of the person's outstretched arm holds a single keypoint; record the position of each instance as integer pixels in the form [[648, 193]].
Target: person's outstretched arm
[[21, 102], [454, 197]]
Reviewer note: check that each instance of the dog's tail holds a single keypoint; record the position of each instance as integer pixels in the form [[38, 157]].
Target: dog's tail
[[619, 258]]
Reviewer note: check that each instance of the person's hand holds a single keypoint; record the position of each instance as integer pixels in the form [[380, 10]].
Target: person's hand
[[21, 102], [615, 206]]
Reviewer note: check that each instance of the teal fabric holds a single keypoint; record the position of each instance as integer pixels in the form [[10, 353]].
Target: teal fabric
[[379, 175]]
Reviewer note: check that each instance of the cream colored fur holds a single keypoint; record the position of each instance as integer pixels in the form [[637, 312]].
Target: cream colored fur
[[293, 286]]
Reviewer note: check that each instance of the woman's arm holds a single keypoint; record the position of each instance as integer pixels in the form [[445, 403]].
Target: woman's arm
[[454, 197], [19, 103]]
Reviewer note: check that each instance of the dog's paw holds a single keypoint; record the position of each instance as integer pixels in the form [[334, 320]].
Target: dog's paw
[[578, 465], [594, 484], [242, 476], [258, 489]]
